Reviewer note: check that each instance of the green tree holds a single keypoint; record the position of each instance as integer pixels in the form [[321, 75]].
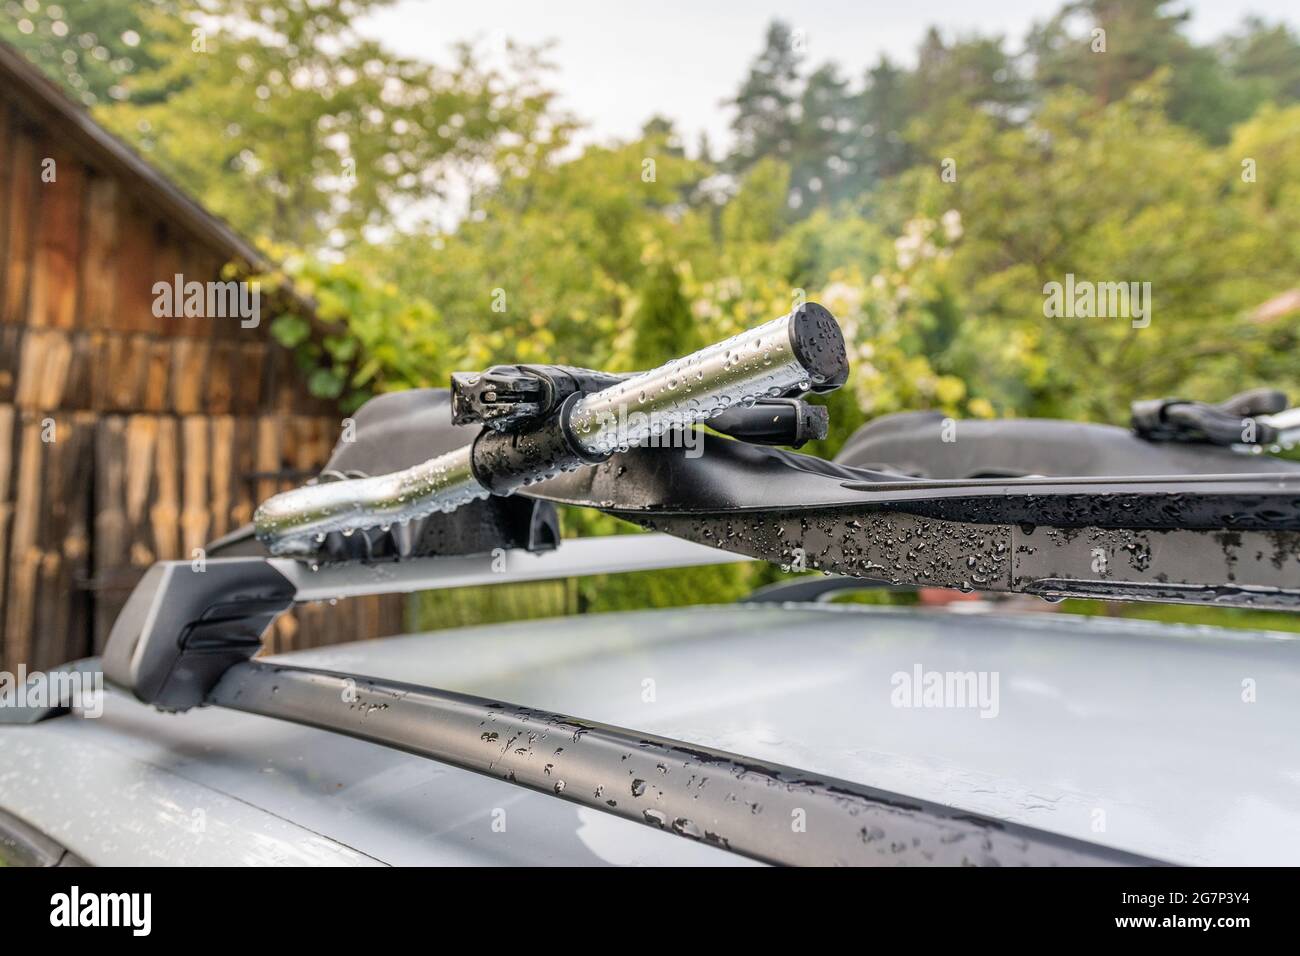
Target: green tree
[[760, 210], [547, 267], [1114, 195], [662, 325], [1107, 47], [766, 121], [292, 126], [819, 166], [1267, 58], [90, 46], [884, 110]]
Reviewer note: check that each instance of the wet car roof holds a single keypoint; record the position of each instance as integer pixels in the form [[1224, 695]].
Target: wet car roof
[[1127, 733]]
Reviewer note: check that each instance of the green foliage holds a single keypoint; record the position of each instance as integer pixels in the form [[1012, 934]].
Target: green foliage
[[677, 587], [1267, 58], [291, 330], [489, 604], [369, 337], [285, 121], [1116, 194], [662, 324], [547, 267], [765, 123], [1187, 614], [1209, 92], [759, 211], [91, 46]]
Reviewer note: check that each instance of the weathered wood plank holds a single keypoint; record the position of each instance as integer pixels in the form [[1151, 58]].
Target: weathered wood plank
[[136, 270], [200, 265], [49, 606], [7, 120], [22, 184], [219, 394], [30, 368], [158, 370], [55, 262], [24, 552], [222, 491], [99, 265], [11, 350], [189, 374], [194, 483], [43, 369], [77, 541], [78, 391], [268, 456], [120, 379], [249, 386], [110, 542], [58, 361], [171, 260], [244, 464], [7, 461], [60, 629], [141, 440], [164, 515]]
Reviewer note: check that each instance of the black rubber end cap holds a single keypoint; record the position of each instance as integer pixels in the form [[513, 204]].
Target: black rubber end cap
[[818, 344]]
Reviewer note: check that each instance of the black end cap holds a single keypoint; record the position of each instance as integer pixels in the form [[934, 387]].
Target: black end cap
[[818, 344], [814, 424]]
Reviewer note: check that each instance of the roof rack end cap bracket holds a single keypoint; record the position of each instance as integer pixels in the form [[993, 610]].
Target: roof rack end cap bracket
[[185, 624]]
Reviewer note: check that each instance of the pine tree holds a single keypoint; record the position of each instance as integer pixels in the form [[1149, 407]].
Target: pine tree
[[663, 327], [766, 122]]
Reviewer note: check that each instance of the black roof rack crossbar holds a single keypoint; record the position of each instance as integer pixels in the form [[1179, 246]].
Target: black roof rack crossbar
[[748, 806]]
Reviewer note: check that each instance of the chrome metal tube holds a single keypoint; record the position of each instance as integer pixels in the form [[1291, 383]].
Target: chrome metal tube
[[756, 363], [295, 522]]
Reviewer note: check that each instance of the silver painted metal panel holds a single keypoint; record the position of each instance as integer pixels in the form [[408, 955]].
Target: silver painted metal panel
[[613, 554], [1132, 734], [113, 797], [1139, 736]]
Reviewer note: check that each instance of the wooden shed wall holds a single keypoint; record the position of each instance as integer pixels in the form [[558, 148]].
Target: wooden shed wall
[[126, 438]]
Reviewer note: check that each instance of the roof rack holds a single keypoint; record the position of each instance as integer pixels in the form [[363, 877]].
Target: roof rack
[[188, 632]]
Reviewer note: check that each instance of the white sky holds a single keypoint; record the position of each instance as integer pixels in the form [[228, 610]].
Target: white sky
[[621, 61]]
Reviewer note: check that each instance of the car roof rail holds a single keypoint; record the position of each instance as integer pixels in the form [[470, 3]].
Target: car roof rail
[[742, 804]]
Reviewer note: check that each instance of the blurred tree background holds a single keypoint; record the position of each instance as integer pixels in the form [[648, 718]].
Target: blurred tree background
[[925, 205]]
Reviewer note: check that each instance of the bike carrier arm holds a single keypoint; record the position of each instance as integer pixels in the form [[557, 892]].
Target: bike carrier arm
[[793, 353]]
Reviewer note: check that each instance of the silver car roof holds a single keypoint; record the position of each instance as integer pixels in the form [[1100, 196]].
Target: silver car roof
[[1174, 742]]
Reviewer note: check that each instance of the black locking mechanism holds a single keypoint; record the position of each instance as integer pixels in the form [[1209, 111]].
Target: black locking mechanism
[[508, 398]]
